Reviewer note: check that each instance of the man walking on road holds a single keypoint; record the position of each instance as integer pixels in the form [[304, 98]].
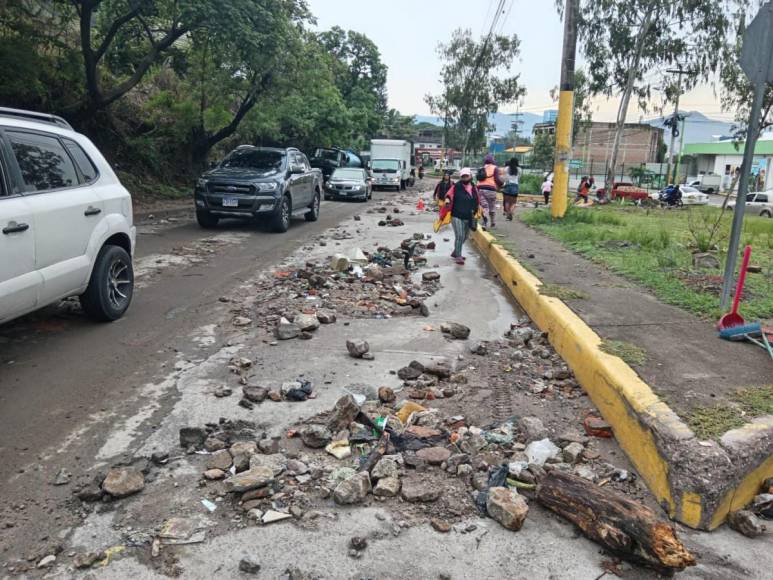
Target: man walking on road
[[489, 182]]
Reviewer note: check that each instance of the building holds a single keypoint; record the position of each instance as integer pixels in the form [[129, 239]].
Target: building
[[550, 116], [593, 142], [725, 159]]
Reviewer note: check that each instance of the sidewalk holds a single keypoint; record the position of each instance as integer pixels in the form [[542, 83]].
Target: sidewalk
[[686, 364]]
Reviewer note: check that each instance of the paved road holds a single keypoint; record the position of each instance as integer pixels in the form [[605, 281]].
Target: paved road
[[59, 371]]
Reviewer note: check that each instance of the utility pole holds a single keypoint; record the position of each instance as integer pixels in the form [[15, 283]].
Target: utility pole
[[679, 71], [565, 112]]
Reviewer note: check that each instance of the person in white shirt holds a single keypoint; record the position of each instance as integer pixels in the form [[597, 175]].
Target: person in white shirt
[[547, 188]]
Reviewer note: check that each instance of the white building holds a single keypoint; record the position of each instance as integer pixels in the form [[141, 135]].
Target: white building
[[723, 158]]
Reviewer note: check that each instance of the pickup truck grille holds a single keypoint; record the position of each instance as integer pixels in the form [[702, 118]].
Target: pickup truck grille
[[230, 188]]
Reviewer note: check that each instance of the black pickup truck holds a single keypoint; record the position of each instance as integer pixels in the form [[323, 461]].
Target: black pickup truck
[[259, 182]]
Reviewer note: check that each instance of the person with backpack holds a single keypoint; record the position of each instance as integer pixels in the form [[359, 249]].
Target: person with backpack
[[510, 192], [463, 205], [442, 188], [489, 182], [583, 191]]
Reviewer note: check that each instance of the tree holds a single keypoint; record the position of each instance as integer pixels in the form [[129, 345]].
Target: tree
[[737, 91], [397, 126], [629, 44], [476, 81], [543, 153], [582, 101]]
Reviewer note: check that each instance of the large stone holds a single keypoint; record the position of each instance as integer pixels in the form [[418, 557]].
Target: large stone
[[213, 444], [385, 468], [123, 481], [220, 460], [214, 474], [408, 374], [296, 467], [344, 412], [307, 322], [430, 276], [415, 489], [255, 394], [286, 330], [247, 448], [249, 565], [705, 260], [455, 330], [434, 455], [357, 348], [746, 523], [326, 316], [573, 452], [386, 395], [387, 487], [533, 428], [439, 367], [353, 490], [250, 479], [275, 461], [192, 437], [316, 436], [507, 507]]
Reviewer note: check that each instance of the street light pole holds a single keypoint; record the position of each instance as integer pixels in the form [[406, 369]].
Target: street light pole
[[565, 112]]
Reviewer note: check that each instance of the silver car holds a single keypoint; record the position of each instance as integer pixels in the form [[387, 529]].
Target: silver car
[[349, 183], [759, 203]]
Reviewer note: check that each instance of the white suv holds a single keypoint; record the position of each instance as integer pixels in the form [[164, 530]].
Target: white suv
[[66, 220]]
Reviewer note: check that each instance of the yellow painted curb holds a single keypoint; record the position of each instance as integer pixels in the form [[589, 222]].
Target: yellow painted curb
[[626, 402]]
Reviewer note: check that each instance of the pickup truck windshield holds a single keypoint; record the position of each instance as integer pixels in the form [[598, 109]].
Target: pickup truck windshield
[[386, 165], [328, 154], [347, 174], [254, 159]]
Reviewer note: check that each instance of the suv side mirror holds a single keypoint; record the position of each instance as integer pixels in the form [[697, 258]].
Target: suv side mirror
[[296, 169]]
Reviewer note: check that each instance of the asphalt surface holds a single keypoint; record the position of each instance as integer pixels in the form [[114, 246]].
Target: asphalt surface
[[62, 375]]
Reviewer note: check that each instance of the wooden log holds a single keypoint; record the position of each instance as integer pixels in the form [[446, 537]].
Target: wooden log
[[623, 526]]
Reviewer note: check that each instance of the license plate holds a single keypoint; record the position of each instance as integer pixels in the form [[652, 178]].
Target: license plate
[[230, 202]]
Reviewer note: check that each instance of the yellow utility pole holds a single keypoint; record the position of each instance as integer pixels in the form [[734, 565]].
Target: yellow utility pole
[[565, 112]]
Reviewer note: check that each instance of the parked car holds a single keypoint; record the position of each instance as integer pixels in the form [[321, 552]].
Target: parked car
[[259, 182], [760, 203], [690, 195], [625, 190], [328, 159], [349, 183], [707, 183], [66, 220]]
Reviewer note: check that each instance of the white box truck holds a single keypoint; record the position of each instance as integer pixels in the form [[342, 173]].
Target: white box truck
[[390, 163], [707, 183]]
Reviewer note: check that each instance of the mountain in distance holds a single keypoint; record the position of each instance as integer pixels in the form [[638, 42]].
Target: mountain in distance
[[698, 127]]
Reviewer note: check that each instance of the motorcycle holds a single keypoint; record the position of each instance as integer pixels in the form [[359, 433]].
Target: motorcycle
[[671, 196]]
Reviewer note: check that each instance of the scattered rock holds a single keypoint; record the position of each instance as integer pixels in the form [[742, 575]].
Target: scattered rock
[[276, 462], [357, 348], [316, 436], [480, 348], [573, 452], [123, 481], [192, 437], [326, 316], [409, 373], [47, 561], [286, 330], [87, 559], [705, 260], [62, 477], [533, 428], [434, 455], [307, 322], [386, 395], [430, 276], [353, 490], [507, 507], [358, 543], [254, 394], [441, 526], [746, 523], [597, 427], [249, 565], [272, 516], [214, 474], [243, 448], [250, 479], [222, 392], [242, 321], [344, 412], [385, 468], [419, 490], [456, 330], [220, 460], [296, 467], [387, 487]]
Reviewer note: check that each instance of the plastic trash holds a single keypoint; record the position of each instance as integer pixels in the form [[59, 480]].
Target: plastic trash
[[540, 451], [209, 505]]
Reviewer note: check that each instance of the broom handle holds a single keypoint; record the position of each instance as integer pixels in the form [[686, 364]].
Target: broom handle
[[747, 253]]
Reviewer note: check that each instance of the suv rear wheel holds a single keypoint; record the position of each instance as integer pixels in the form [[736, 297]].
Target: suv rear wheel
[[313, 214], [111, 286], [280, 222], [206, 219], [766, 213]]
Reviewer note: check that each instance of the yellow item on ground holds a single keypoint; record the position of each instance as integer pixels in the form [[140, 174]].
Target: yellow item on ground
[[407, 410]]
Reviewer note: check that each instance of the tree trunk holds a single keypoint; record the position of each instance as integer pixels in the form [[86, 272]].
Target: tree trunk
[[622, 111], [623, 526]]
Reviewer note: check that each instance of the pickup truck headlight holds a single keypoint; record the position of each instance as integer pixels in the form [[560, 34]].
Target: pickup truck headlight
[[201, 184], [267, 186]]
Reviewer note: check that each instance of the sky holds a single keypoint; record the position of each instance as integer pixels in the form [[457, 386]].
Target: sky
[[407, 33]]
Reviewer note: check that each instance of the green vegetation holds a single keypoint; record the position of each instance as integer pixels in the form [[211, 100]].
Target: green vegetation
[[562, 292], [713, 422], [654, 248], [630, 353], [531, 184]]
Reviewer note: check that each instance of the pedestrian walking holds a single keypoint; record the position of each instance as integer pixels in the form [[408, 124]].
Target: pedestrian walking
[[583, 191], [463, 205], [442, 188], [547, 189], [489, 182], [510, 192]]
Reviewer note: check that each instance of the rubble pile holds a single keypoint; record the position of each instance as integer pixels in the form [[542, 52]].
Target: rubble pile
[[749, 521]]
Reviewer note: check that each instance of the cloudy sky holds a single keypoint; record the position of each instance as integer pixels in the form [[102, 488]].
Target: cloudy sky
[[407, 33]]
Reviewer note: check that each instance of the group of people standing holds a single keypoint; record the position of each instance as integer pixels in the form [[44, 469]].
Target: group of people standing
[[466, 202]]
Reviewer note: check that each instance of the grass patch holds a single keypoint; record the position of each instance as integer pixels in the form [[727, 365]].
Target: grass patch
[[713, 422], [756, 401], [630, 353], [653, 248], [562, 292]]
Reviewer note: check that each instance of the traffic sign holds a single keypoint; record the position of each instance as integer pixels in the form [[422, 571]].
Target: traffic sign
[[757, 51]]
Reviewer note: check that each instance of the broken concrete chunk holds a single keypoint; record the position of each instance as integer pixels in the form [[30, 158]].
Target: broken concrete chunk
[[214, 474], [419, 490], [307, 322], [455, 330], [344, 412], [316, 436], [286, 330], [326, 316], [275, 461], [254, 394], [220, 460], [480, 348], [434, 455], [746, 523], [123, 481], [249, 565], [386, 395], [243, 448], [353, 490], [192, 437], [533, 428], [507, 507], [385, 468], [250, 479], [387, 487], [357, 348], [430, 276], [573, 452]]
